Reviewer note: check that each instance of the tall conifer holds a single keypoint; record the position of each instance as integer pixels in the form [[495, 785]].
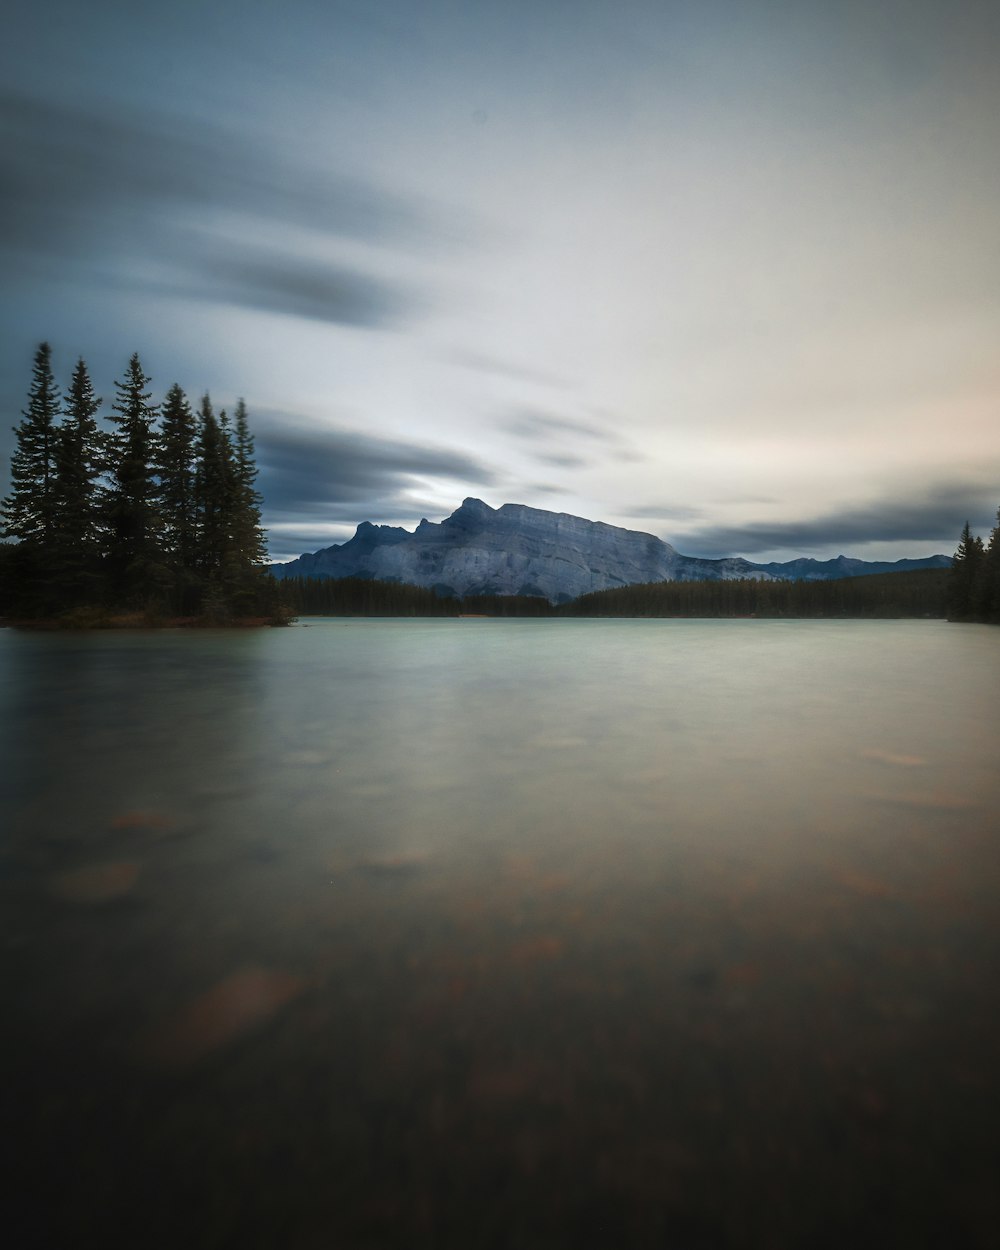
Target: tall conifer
[[250, 542], [80, 460], [211, 491], [990, 593], [27, 512], [131, 505], [965, 571], [175, 492]]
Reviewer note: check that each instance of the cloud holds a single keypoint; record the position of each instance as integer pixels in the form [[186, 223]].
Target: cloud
[[935, 515], [534, 425], [276, 282], [329, 475], [506, 369], [547, 488], [71, 166], [569, 442], [562, 460], [163, 201], [661, 512]]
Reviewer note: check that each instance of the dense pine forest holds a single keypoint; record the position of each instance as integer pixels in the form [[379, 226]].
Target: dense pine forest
[[974, 583], [151, 513], [968, 591], [922, 593]]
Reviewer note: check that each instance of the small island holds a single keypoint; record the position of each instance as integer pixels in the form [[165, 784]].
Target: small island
[[155, 521]]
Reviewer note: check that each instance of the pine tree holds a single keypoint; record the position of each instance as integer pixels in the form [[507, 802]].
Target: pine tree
[[27, 511], [80, 460], [965, 569], [990, 579], [175, 494], [244, 580], [212, 490], [137, 568], [250, 543]]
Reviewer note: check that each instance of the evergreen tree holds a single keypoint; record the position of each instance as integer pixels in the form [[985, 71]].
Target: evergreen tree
[[230, 569], [175, 494], [965, 572], [213, 489], [990, 578], [80, 460], [249, 540], [136, 565], [27, 511]]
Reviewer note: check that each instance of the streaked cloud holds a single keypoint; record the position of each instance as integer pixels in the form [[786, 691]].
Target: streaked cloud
[[268, 280], [163, 206], [923, 518], [533, 425], [482, 363], [330, 475], [664, 512], [74, 172]]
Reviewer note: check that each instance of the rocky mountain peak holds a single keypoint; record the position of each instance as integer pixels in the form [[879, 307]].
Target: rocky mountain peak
[[515, 549]]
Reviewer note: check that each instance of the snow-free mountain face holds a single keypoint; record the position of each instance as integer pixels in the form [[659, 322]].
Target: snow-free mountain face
[[515, 550]]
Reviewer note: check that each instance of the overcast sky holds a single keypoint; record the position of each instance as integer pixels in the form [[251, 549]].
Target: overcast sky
[[725, 272]]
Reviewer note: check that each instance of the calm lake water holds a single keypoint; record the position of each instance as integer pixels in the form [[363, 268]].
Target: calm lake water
[[503, 933]]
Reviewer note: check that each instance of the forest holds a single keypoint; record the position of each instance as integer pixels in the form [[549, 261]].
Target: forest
[[968, 591], [974, 580], [151, 514], [922, 593]]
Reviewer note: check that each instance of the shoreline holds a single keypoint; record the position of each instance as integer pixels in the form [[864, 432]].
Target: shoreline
[[136, 620]]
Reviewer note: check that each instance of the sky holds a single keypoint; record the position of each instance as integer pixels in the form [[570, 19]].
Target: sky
[[725, 272]]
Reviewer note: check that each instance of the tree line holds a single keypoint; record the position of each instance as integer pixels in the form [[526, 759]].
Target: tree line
[[918, 593], [152, 509], [363, 596], [974, 584]]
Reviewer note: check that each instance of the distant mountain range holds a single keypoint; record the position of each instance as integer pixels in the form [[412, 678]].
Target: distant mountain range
[[515, 550]]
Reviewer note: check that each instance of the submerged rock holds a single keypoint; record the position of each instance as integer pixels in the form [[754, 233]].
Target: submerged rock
[[236, 1006], [96, 883]]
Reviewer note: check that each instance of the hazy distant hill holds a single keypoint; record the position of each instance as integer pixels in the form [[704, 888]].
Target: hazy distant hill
[[516, 550], [805, 569]]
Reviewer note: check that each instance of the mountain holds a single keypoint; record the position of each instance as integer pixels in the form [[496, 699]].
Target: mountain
[[516, 550], [806, 569]]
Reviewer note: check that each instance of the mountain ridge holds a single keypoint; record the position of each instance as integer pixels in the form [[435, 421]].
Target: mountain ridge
[[519, 550]]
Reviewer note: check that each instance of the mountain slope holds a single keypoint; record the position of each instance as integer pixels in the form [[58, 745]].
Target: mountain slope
[[519, 550]]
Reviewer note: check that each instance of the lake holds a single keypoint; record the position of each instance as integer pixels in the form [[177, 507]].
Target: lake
[[503, 933]]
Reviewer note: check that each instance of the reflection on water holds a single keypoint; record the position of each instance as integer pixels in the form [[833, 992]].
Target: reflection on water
[[493, 933]]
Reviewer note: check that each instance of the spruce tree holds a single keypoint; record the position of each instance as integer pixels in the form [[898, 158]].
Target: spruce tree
[[27, 512], [212, 493], [990, 577], [964, 578], [250, 541], [135, 560], [245, 584], [175, 494], [80, 460]]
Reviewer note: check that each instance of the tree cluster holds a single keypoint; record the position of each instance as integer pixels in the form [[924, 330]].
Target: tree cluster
[[153, 509], [361, 596], [919, 593], [364, 596], [974, 582]]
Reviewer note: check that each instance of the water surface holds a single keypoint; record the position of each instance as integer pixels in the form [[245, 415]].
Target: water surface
[[497, 932]]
